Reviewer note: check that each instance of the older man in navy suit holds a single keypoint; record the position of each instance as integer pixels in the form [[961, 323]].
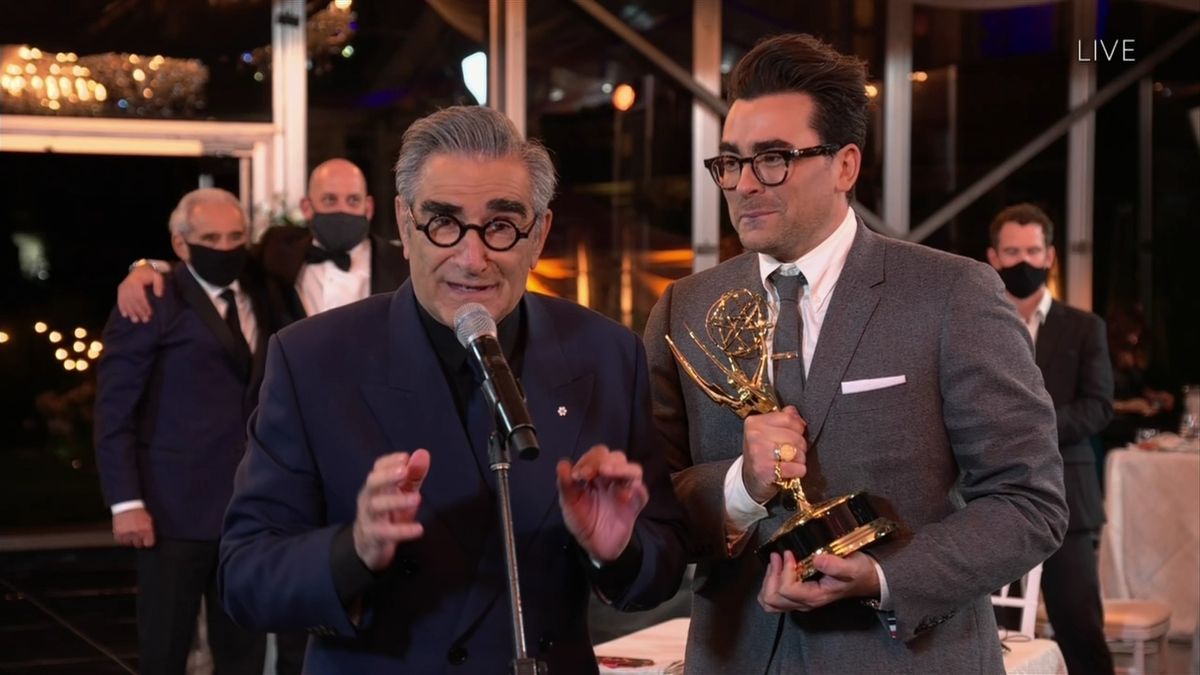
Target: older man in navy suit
[[364, 510], [172, 402]]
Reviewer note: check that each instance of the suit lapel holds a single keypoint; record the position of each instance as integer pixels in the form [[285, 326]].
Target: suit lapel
[[558, 403], [853, 302], [195, 296], [415, 409], [389, 269]]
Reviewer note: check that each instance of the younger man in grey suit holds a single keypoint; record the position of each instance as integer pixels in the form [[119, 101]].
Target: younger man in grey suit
[[912, 378], [1072, 353]]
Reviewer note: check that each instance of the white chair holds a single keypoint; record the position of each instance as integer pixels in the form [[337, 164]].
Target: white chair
[[1029, 654], [1138, 622], [1027, 601], [1128, 626]]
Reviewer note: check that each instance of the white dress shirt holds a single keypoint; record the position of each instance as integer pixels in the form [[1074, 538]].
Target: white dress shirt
[[821, 268], [323, 286], [249, 331], [1039, 314]]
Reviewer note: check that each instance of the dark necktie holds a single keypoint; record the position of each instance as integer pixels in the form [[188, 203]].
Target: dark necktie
[[787, 347], [316, 254], [235, 327]]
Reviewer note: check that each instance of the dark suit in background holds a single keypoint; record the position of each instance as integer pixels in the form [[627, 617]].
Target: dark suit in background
[[1073, 355], [173, 396]]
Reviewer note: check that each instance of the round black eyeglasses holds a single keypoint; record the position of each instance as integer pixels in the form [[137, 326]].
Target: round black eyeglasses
[[770, 166], [498, 234]]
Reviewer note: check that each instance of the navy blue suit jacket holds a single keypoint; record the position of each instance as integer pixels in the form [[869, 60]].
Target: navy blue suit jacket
[[172, 402], [346, 386]]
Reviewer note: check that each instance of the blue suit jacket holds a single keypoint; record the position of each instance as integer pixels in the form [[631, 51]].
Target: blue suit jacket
[[171, 408], [349, 385]]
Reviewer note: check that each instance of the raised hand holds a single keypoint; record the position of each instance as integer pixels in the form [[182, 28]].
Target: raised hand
[[131, 293], [601, 497], [387, 507]]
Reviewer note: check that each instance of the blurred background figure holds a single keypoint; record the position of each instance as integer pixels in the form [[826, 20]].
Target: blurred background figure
[[172, 402], [1070, 349], [1143, 397]]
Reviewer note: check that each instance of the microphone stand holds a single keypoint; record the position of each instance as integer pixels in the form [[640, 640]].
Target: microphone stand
[[500, 460]]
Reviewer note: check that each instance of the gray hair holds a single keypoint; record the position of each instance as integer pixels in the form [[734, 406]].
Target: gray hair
[[181, 218], [474, 131]]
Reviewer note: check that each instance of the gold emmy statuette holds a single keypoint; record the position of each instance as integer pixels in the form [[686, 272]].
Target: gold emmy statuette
[[739, 326]]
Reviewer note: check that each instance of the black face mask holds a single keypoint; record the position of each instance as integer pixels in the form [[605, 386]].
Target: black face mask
[[339, 232], [217, 267], [1023, 279]]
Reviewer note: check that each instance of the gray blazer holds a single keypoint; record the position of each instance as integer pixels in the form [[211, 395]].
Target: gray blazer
[[963, 455]]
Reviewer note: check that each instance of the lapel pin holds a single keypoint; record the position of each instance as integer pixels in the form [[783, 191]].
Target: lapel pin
[[562, 411]]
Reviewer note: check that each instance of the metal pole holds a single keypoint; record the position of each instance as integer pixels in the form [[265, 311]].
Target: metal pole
[[897, 116], [1081, 161], [1145, 222], [706, 134]]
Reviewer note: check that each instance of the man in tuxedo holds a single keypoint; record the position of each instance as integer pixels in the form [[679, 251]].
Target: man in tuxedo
[[364, 511], [900, 370], [1072, 353], [332, 262], [173, 397]]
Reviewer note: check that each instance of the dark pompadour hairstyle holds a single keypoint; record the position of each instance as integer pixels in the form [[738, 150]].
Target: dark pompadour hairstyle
[[799, 63], [1021, 214]]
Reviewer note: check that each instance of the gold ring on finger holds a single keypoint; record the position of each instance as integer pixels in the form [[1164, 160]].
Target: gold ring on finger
[[786, 452]]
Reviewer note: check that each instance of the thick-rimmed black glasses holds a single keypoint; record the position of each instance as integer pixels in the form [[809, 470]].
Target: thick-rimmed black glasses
[[770, 166], [498, 234]]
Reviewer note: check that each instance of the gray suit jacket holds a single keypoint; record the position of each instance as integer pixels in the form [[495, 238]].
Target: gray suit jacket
[[963, 455]]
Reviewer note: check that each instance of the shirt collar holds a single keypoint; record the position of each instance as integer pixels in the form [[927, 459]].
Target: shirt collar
[[821, 266], [454, 356], [1043, 307], [214, 292]]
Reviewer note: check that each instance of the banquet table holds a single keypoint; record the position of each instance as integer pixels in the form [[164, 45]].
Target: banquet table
[[1150, 548], [658, 650]]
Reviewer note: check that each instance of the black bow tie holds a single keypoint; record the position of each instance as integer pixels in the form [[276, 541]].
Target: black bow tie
[[316, 254]]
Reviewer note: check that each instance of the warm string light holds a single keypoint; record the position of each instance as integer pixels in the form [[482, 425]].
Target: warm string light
[[79, 356], [37, 82]]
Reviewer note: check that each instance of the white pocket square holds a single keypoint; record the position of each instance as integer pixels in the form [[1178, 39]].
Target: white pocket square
[[859, 386]]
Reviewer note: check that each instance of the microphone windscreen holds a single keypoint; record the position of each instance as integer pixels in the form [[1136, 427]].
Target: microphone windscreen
[[471, 321]]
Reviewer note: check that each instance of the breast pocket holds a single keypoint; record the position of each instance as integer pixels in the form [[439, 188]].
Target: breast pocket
[[875, 399]]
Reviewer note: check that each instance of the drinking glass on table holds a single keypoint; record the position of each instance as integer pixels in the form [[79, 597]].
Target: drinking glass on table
[[1189, 420], [1144, 436]]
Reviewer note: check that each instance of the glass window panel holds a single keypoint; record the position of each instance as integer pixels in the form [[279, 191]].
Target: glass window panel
[[381, 66], [622, 223]]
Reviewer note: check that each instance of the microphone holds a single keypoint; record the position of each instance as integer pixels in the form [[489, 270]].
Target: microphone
[[476, 330]]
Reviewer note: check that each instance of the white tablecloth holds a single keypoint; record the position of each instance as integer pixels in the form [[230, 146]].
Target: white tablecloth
[[663, 646], [1150, 549]]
